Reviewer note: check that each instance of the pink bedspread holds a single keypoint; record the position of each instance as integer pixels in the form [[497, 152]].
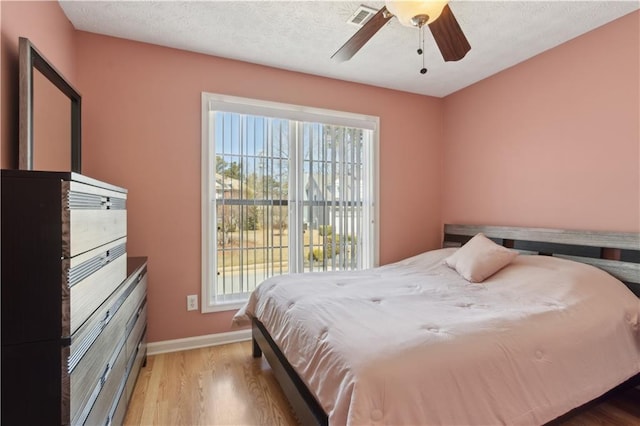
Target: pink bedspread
[[413, 343]]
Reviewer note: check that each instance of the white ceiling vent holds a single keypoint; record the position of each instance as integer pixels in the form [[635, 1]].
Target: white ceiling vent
[[361, 15]]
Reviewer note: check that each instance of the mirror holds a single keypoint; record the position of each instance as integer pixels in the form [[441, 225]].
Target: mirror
[[49, 115]]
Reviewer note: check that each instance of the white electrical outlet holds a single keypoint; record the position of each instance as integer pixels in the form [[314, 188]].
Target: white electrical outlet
[[192, 302]]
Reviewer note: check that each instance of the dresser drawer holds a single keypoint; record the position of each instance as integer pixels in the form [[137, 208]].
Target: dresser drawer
[[138, 298], [108, 387], [135, 330], [89, 371], [136, 365], [88, 280], [137, 314], [117, 417], [133, 368], [111, 403], [91, 217]]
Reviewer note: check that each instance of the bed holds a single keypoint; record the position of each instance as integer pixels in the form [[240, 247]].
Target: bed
[[415, 343]]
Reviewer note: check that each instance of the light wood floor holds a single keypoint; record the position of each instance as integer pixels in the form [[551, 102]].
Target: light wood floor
[[224, 385]]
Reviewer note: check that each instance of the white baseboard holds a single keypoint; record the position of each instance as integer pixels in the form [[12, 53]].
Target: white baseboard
[[195, 342]]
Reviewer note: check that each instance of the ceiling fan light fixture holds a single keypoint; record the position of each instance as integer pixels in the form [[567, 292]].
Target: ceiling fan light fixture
[[412, 13]]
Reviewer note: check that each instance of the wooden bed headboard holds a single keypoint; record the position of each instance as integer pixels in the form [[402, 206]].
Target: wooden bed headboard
[[618, 253]]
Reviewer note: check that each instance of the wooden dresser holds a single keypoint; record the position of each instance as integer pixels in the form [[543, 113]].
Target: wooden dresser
[[73, 304]]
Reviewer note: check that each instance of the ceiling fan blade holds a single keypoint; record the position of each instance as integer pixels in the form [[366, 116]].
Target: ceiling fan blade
[[449, 36], [362, 36]]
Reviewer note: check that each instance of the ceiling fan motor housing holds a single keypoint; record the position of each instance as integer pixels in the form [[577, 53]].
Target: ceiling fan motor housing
[[419, 20]]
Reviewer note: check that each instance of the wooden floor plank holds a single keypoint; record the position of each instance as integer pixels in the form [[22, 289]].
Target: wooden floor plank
[[225, 385]]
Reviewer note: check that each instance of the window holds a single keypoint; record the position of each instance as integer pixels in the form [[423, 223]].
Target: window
[[284, 189]]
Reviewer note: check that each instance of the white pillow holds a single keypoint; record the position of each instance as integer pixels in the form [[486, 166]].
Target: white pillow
[[480, 258]]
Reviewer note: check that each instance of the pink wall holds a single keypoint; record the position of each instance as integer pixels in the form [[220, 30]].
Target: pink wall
[[551, 142], [51, 126], [44, 23], [142, 130]]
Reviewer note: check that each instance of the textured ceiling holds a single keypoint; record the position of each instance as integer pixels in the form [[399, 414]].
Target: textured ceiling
[[302, 35]]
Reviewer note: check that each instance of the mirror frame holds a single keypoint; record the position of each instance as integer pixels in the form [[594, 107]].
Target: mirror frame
[[30, 58]]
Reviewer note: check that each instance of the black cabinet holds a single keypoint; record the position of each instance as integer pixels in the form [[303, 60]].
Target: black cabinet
[[73, 303]]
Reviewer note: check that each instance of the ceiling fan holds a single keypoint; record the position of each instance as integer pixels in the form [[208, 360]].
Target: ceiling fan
[[437, 15]]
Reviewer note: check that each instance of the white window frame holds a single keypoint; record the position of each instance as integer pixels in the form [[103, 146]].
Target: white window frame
[[212, 102]]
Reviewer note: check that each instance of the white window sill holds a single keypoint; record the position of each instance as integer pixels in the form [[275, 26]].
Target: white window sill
[[224, 306]]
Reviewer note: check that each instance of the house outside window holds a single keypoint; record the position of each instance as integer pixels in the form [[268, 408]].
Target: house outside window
[[285, 189]]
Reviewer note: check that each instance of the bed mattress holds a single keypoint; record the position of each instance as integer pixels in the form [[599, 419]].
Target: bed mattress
[[414, 343]]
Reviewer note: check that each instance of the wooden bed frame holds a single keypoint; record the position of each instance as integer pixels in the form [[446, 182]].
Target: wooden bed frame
[[615, 252]]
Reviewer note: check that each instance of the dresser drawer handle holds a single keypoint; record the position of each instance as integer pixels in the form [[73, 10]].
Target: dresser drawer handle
[[140, 309], [106, 203], [106, 258], [103, 379], [106, 319]]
